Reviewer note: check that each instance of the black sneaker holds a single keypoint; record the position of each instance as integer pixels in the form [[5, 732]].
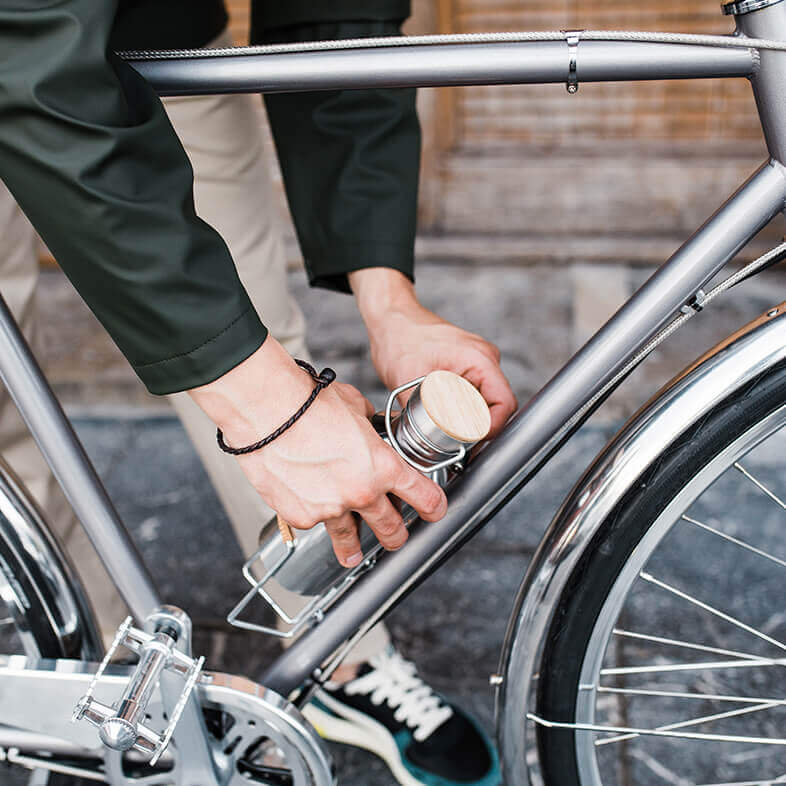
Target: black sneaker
[[388, 710]]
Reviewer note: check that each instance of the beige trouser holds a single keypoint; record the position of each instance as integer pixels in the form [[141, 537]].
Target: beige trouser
[[222, 135]]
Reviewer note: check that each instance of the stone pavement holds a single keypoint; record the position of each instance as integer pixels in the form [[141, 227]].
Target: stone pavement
[[453, 628]]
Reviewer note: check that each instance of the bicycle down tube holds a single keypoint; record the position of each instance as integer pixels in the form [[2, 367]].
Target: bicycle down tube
[[503, 466]]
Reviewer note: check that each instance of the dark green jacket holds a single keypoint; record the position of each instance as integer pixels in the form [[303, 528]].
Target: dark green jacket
[[88, 152]]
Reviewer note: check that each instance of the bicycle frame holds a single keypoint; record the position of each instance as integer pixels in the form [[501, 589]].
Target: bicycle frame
[[545, 421]]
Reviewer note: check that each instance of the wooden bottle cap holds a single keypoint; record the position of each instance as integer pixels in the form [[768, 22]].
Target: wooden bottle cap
[[455, 406]]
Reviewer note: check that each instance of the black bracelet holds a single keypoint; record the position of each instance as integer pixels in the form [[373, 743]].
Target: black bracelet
[[322, 380]]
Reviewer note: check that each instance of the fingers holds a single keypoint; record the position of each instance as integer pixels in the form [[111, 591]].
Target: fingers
[[386, 523], [420, 493], [343, 533], [495, 389]]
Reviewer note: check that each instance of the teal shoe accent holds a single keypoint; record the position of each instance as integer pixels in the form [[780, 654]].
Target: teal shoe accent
[[493, 778]]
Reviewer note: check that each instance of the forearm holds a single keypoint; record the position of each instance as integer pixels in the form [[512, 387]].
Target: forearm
[[87, 150]]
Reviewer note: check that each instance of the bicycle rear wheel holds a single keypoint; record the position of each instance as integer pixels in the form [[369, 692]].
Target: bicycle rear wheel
[[664, 659]]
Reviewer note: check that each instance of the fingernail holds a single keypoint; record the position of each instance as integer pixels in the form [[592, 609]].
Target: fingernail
[[354, 560]]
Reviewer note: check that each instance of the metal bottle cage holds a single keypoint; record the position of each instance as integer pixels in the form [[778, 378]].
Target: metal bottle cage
[[311, 614]]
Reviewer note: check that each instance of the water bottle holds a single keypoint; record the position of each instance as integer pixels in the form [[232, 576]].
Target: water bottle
[[443, 418]]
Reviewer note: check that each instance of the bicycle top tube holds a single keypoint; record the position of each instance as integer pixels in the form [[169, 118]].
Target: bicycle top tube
[[434, 61]]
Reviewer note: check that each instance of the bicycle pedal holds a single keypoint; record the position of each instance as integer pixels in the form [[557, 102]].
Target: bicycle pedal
[[120, 724]]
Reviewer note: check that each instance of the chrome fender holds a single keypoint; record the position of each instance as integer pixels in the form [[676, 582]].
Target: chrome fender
[[729, 366], [47, 572]]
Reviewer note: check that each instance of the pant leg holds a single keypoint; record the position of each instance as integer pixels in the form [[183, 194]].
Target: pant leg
[[232, 190], [18, 279]]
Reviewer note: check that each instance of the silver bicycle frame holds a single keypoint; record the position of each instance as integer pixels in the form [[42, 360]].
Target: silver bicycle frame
[[539, 426]]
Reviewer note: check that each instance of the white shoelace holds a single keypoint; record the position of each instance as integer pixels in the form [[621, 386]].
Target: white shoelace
[[394, 679]]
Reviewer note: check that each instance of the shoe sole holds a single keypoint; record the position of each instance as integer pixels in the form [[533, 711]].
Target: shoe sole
[[361, 731]]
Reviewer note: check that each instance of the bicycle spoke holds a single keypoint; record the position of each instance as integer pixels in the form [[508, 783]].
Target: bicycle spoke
[[735, 541], [674, 694], [686, 644], [699, 666], [774, 497], [685, 724], [685, 735], [711, 609]]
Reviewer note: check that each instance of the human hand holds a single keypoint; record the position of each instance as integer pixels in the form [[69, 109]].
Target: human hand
[[408, 341], [330, 463]]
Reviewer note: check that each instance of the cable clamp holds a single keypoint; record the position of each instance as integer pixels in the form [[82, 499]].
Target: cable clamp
[[572, 38], [695, 304]]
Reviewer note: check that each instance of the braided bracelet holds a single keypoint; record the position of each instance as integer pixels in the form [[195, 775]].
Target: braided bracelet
[[322, 380]]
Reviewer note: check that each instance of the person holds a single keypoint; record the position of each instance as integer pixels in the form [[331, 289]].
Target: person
[[147, 286]]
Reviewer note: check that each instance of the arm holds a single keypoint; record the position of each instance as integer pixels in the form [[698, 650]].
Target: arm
[[89, 154], [350, 159]]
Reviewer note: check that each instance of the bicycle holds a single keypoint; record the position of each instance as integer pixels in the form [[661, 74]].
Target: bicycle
[[566, 705]]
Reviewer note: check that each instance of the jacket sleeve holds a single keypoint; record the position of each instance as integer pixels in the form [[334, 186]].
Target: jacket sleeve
[[88, 152], [349, 158]]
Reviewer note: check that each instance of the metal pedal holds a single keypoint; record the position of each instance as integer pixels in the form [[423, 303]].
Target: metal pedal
[[120, 725]]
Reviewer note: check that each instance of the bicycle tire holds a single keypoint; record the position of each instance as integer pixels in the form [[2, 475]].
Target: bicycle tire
[[586, 592]]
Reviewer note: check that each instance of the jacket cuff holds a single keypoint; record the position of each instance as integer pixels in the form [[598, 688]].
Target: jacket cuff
[[207, 361], [345, 258]]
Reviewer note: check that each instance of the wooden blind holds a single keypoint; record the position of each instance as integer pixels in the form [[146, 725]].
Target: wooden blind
[[698, 110]]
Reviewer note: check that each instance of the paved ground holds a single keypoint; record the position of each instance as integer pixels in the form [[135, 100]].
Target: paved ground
[[453, 627]]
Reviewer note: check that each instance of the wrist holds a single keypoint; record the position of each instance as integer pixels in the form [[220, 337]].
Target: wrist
[[379, 291], [256, 396]]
